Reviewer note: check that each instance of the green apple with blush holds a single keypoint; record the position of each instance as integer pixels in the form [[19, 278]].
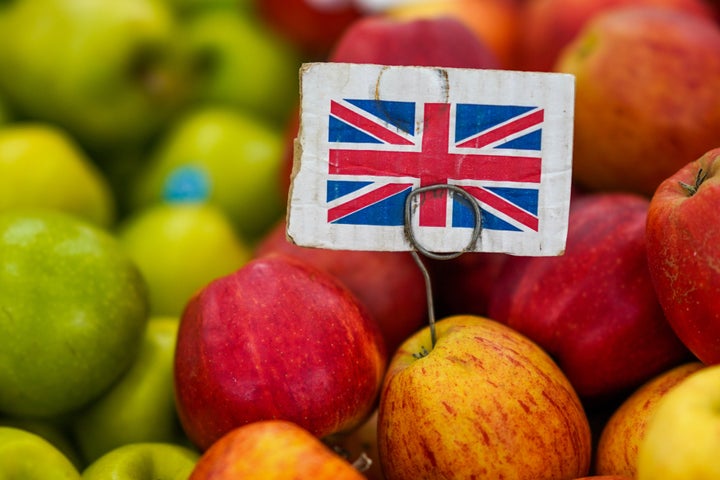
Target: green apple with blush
[[73, 309], [28, 456], [140, 407], [143, 461]]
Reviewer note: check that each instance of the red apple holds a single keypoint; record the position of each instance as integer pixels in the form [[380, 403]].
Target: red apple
[[683, 228], [277, 339], [389, 284], [437, 41], [313, 26], [647, 96], [483, 402], [594, 308], [548, 26], [271, 449]]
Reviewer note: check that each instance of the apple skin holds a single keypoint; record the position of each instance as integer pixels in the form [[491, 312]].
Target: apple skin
[[439, 41], [277, 339], [389, 284], [670, 61], [548, 26], [33, 155], [480, 397], [594, 302], [143, 461], [617, 449], [65, 351], [681, 441], [28, 456], [682, 253], [275, 449], [312, 26]]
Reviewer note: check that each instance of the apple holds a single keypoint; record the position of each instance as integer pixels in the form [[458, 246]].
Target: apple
[[241, 62], [549, 26], [74, 308], [437, 41], [312, 25], [108, 72], [179, 247], [275, 449], [605, 477], [594, 309], [276, 339], [483, 401], [495, 22], [27, 456], [140, 406], [681, 440], [54, 431], [144, 461], [5, 115], [389, 284], [617, 449], [647, 96], [681, 233], [42, 166], [222, 155]]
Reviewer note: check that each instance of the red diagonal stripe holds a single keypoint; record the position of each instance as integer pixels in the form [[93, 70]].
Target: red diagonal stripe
[[502, 205], [366, 200], [496, 134], [346, 115]]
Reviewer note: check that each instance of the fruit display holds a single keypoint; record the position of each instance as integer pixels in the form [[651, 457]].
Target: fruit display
[[156, 322]]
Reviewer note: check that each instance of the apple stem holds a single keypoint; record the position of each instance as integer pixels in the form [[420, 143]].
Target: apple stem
[[362, 463], [699, 179]]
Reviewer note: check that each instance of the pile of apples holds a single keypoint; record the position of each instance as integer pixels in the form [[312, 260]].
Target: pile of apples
[[155, 323]]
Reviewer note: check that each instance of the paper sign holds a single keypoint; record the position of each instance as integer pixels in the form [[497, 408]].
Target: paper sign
[[371, 134]]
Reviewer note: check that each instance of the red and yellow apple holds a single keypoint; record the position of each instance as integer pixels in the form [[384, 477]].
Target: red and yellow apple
[[484, 401], [594, 309], [271, 449], [548, 26], [647, 96], [276, 339], [682, 234], [617, 449]]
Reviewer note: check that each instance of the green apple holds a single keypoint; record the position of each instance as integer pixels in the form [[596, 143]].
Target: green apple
[[73, 309], [109, 72], [681, 438], [54, 432], [4, 111], [140, 407], [28, 456], [42, 166], [220, 154], [143, 461], [179, 247], [241, 62], [193, 7]]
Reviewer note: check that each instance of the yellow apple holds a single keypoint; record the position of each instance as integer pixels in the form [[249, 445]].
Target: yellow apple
[[617, 448], [42, 166], [485, 401], [681, 438], [179, 247]]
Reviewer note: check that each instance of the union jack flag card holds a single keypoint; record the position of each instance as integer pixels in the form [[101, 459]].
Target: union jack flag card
[[371, 134]]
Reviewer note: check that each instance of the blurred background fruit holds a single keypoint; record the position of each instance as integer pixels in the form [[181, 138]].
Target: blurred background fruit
[[42, 166]]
